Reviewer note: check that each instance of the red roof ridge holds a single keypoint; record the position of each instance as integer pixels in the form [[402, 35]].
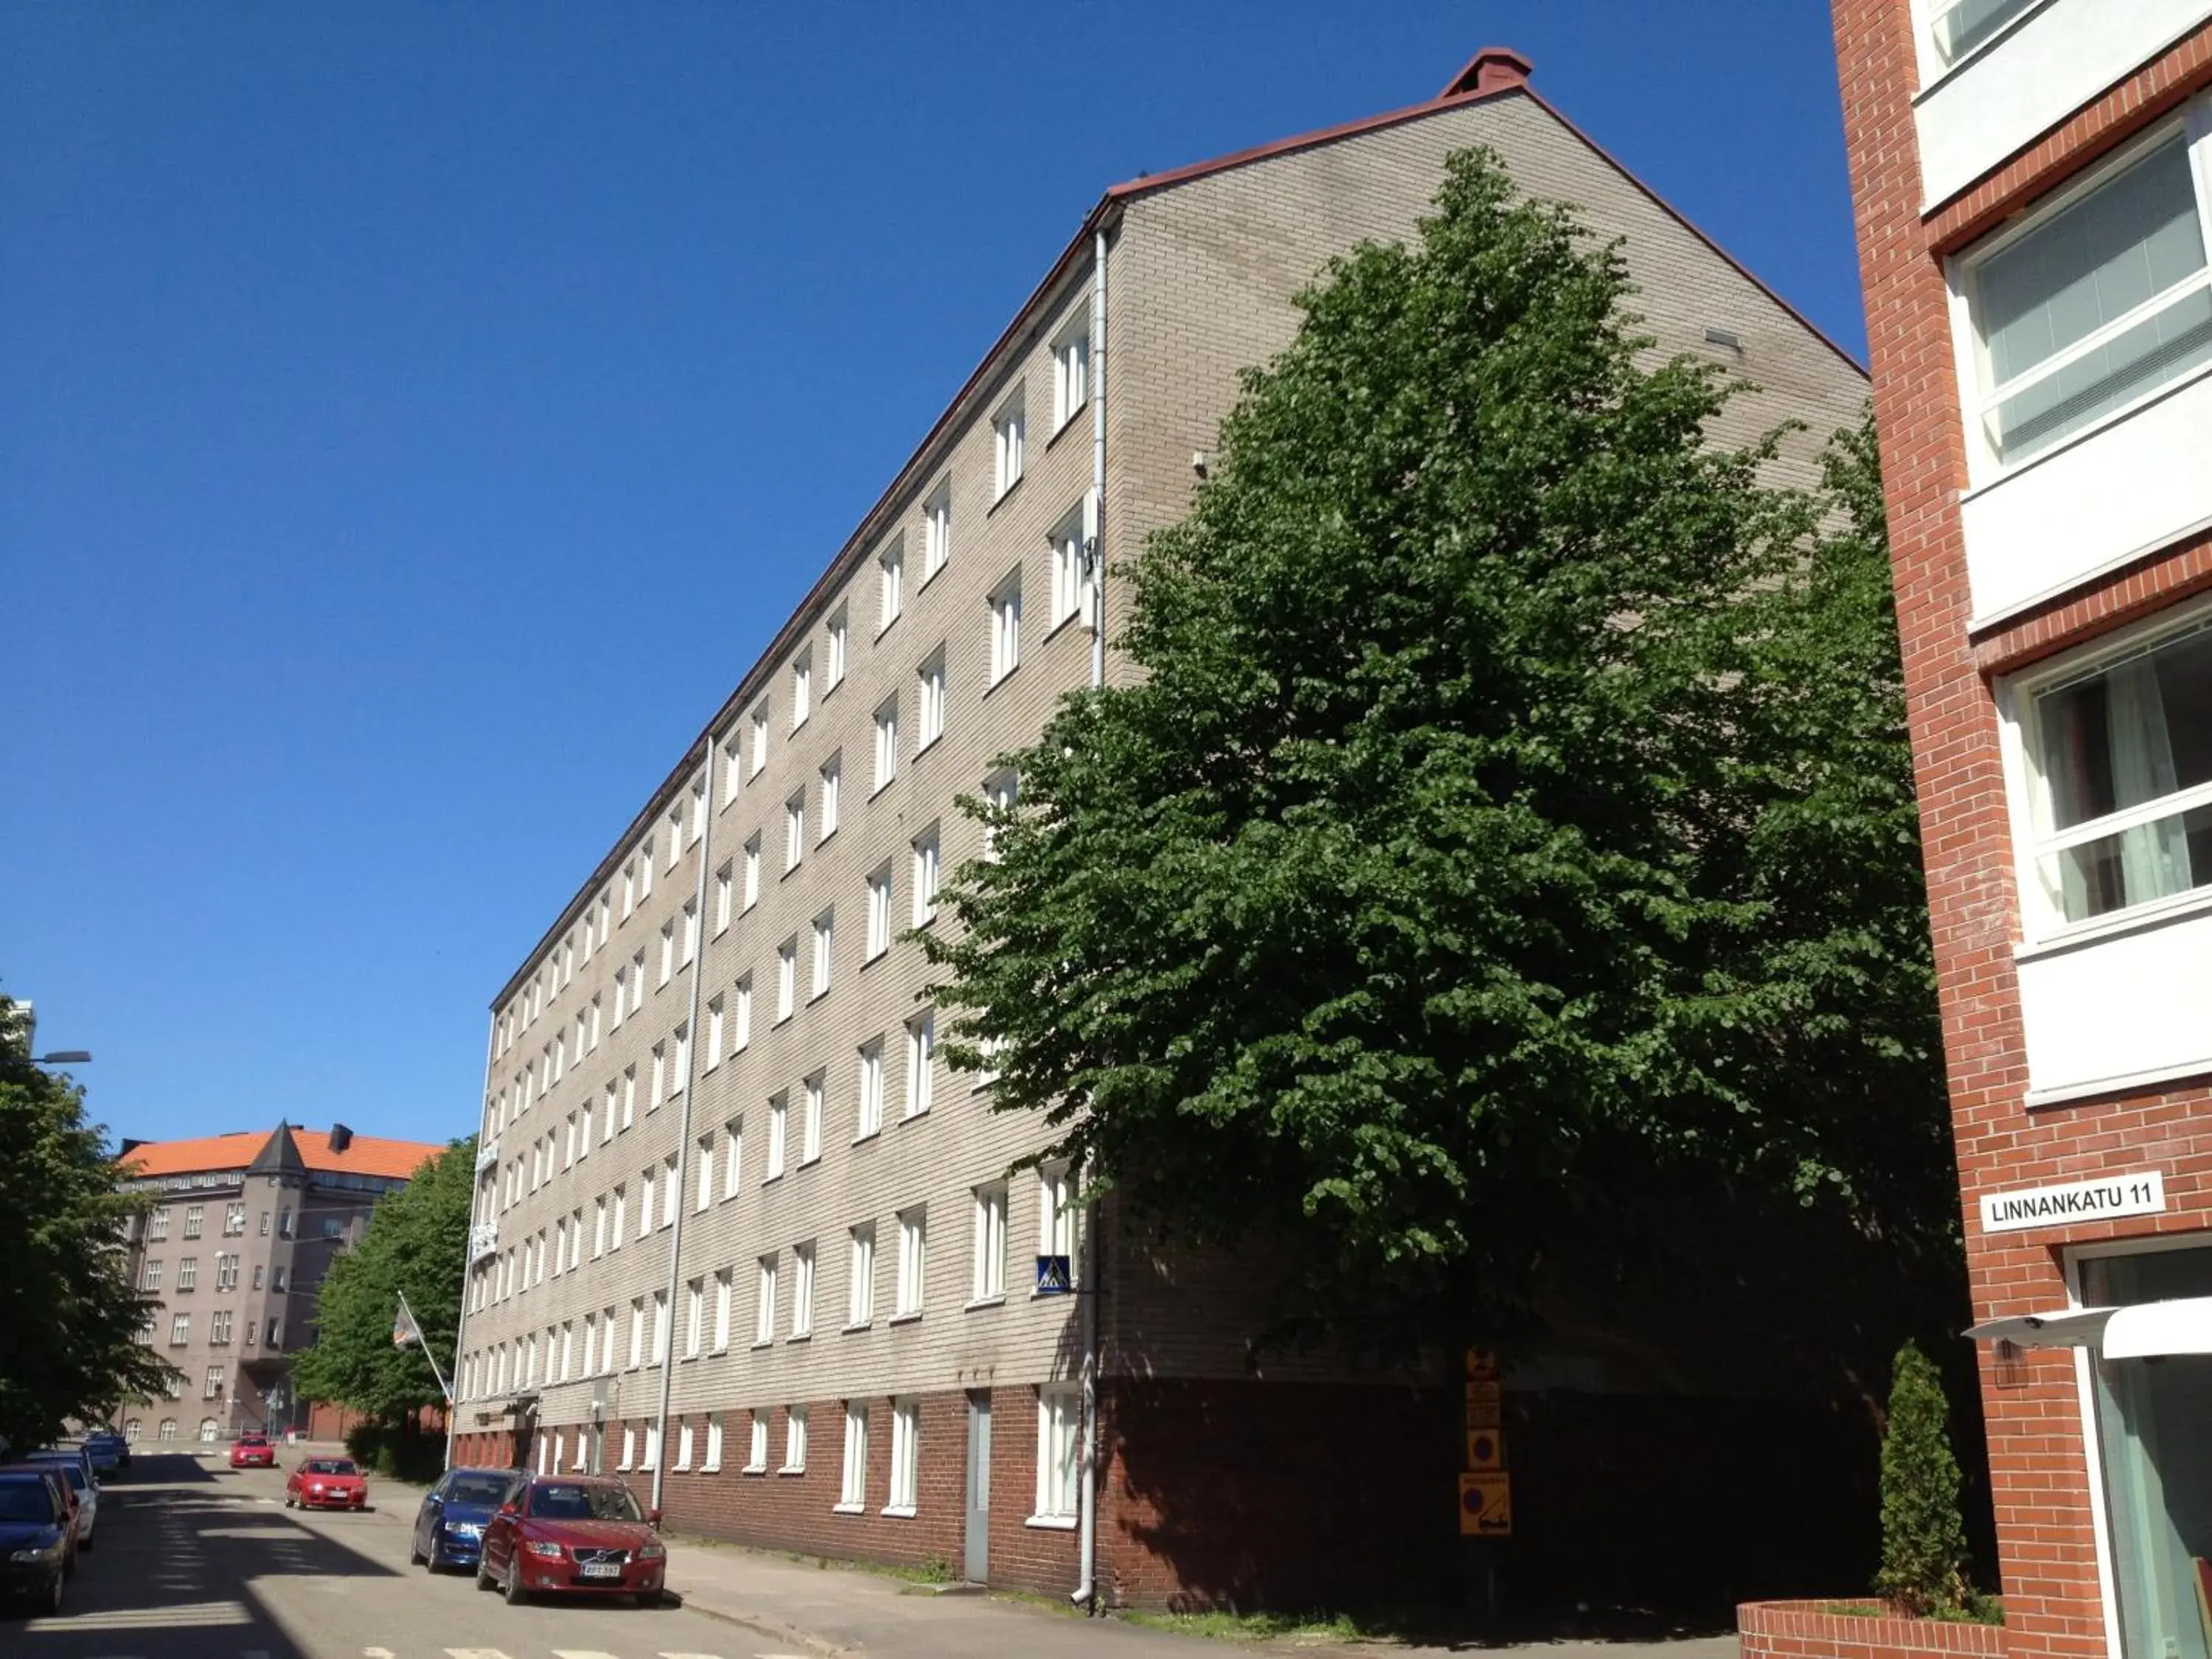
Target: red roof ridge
[[370, 1155], [1494, 69]]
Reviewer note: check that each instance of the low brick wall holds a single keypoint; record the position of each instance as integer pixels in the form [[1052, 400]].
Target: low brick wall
[[1813, 1629]]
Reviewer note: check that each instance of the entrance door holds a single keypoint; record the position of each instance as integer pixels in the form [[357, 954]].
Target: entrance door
[[977, 1567]]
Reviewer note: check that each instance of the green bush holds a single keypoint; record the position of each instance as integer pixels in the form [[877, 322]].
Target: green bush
[[380, 1448], [1923, 1537]]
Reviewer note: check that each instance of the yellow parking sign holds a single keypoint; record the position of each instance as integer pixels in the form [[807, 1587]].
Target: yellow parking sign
[[1486, 1505]]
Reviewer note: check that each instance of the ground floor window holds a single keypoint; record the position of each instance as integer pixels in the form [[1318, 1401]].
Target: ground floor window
[[130, 1429], [168, 1428], [208, 1426], [2151, 1415]]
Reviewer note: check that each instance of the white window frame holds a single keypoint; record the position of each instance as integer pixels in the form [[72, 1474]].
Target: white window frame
[[778, 1123], [802, 688], [868, 1116], [787, 979], [802, 1291], [816, 1088], [764, 1302], [912, 1284], [906, 1456], [1009, 442], [921, 1063], [824, 953], [733, 1158], [852, 1478], [833, 668], [794, 831], [887, 743], [860, 1276], [928, 852], [937, 532], [890, 585], [752, 857], [931, 692], [1071, 367], [879, 912], [722, 1294], [988, 1280], [831, 778], [757, 1439], [1006, 627], [757, 755], [794, 1440]]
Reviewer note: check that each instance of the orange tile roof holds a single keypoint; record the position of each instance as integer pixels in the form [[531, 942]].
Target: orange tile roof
[[367, 1155]]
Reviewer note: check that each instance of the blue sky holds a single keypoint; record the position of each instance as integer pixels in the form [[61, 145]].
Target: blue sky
[[372, 373]]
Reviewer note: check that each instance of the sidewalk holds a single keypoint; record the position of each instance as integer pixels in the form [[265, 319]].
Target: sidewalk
[[829, 1612]]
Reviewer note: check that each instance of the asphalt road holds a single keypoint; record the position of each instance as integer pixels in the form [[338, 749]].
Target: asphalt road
[[194, 1560]]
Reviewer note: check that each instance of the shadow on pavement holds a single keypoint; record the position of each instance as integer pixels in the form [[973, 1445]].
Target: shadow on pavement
[[176, 1553]]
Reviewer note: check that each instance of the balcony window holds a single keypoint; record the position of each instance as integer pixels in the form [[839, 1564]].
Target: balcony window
[[1958, 28]]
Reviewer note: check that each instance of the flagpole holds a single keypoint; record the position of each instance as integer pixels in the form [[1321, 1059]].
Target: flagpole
[[415, 1325]]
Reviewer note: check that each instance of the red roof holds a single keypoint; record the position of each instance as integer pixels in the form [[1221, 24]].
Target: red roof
[[364, 1155]]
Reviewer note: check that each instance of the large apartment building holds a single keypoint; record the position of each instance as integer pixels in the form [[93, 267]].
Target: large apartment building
[[230, 1244], [2033, 182], [741, 1235]]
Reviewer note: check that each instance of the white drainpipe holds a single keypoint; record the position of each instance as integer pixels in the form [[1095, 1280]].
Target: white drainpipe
[[1088, 1285]]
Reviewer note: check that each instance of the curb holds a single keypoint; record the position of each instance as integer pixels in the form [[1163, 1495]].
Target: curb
[[774, 1629]]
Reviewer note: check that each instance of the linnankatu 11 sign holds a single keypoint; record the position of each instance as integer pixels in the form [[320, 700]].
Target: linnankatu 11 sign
[[2142, 1193]]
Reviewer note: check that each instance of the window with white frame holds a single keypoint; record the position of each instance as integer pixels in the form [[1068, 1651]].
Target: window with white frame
[[906, 1456], [988, 1282], [188, 1270], [2118, 745], [645, 870], [2095, 302], [718, 1015], [636, 1332], [1007, 628], [852, 1484], [695, 1320], [787, 978], [711, 1462], [679, 1064], [630, 898], [607, 1102], [794, 831], [937, 532], [1056, 1214], [925, 876], [721, 1311], [765, 1305], [741, 1014], [690, 949], [1060, 1420], [1959, 28], [758, 757], [1071, 372], [630, 1096], [802, 1289], [860, 1275], [879, 912], [667, 951], [598, 1228], [752, 860], [869, 1117], [757, 1451], [675, 834], [704, 1199], [912, 1225], [832, 779], [658, 1091], [794, 1440], [637, 981], [825, 938], [890, 585], [733, 1158], [929, 710], [802, 688], [696, 823], [1070, 569], [684, 1439], [779, 1118], [670, 1185], [620, 1227], [810, 1132], [629, 1448], [833, 666], [1009, 432], [920, 1063], [887, 742], [649, 1189]]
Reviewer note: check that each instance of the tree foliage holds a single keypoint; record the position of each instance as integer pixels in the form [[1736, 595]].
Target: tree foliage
[[67, 1303], [414, 1243], [1924, 1540], [1511, 803]]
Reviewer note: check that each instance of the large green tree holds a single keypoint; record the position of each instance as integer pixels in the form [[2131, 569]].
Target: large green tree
[[67, 1303], [414, 1243], [1511, 805]]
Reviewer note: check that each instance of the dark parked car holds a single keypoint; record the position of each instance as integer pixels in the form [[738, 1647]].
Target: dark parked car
[[449, 1528], [110, 1451], [573, 1537], [36, 1529]]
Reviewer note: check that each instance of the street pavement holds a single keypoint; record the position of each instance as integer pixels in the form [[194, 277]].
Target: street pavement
[[195, 1560]]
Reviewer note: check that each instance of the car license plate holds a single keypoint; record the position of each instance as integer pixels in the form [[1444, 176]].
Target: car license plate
[[602, 1569]]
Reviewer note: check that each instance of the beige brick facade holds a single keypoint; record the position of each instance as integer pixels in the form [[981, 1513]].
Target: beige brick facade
[[1201, 270]]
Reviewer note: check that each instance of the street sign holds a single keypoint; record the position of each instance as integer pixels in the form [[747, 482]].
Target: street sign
[[1486, 1505], [1484, 1449], [1485, 1405]]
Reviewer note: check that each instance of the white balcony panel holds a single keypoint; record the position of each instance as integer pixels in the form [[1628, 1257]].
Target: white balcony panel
[[2053, 61], [2091, 504], [2116, 1012]]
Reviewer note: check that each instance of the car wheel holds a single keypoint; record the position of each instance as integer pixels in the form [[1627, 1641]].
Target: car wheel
[[483, 1572], [516, 1596], [415, 1553], [54, 1596]]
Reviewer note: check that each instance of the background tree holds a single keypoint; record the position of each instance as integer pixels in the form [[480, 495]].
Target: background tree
[[67, 1303], [1512, 807], [414, 1241]]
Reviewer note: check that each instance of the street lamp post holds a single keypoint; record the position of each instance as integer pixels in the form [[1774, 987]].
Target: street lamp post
[[61, 1057]]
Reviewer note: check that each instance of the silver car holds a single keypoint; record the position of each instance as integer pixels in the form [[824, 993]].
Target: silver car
[[76, 1469]]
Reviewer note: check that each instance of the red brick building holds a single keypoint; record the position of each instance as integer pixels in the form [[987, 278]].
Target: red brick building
[[2032, 181]]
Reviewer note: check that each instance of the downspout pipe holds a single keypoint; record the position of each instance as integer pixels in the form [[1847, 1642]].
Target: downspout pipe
[[468, 1268], [683, 1175], [1088, 1286]]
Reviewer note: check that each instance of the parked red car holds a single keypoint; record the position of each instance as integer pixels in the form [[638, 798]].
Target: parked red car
[[573, 1537], [252, 1451], [326, 1483]]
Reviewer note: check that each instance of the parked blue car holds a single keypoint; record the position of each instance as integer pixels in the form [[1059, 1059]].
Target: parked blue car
[[449, 1526]]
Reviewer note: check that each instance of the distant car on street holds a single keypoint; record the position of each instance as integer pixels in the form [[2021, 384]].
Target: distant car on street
[[36, 1550], [57, 1481], [326, 1483], [110, 1451], [449, 1528], [252, 1451], [77, 1471], [573, 1537]]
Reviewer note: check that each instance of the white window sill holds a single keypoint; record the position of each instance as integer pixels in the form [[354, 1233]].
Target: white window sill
[[866, 1136], [915, 1116], [2141, 918], [1071, 615], [719, 1349], [998, 1301], [622, 1468], [710, 1469], [898, 1511], [863, 1325], [905, 1318], [849, 1509], [754, 1468], [800, 1336], [757, 1346], [679, 1468], [1051, 1523], [881, 785], [1052, 1296], [921, 748], [793, 1468]]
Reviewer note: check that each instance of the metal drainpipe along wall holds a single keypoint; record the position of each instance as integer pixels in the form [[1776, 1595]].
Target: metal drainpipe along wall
[[683, 1175], [1089, 1288], [461, 1329]]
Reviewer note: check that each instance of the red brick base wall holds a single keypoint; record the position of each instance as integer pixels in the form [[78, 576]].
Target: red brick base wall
[[1812, 1630]]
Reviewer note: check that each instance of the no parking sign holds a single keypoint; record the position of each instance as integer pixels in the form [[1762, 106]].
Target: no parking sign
[[1486, 1505]]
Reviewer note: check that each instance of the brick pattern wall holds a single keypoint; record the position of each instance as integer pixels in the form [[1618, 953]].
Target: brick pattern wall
[[1817, 1629], [2035, 1424]]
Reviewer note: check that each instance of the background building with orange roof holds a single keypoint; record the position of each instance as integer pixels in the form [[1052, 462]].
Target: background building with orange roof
[[237, 1233]]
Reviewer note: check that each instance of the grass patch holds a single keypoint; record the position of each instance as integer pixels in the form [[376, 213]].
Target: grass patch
[[1980, 1609], [1252, 1626]]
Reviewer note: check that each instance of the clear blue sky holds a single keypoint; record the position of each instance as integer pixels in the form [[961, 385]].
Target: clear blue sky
[[372, 372]]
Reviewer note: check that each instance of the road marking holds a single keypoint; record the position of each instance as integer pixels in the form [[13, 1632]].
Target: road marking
[[376, 1653], [197, 1614], [581, 1653], [474, 1653]]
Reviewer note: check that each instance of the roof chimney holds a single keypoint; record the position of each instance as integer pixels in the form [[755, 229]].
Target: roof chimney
[[340, 1137], [1494, 69]]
